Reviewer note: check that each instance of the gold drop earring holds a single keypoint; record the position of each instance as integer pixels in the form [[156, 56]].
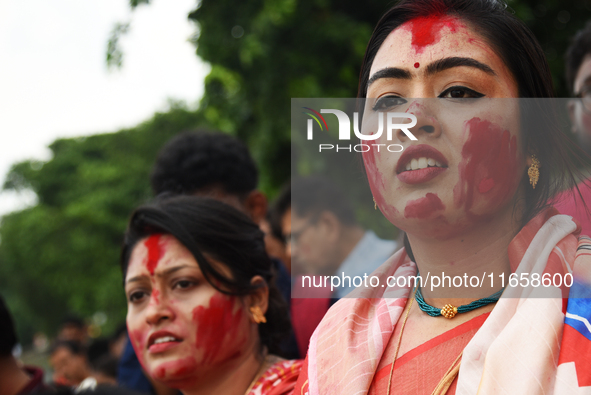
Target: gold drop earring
[[534, 171]]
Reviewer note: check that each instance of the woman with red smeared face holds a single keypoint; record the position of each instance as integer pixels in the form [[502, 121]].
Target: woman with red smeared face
[[461, 190], [203, 314]]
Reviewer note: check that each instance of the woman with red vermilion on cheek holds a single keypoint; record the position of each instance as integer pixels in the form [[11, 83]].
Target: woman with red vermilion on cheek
[[203, 314], [472, 193]]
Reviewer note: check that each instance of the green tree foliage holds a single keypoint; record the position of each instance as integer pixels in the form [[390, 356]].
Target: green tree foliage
[[62, 255], [265, 52]]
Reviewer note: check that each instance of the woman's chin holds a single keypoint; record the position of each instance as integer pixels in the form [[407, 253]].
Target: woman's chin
[[439, 227], [175, 372]]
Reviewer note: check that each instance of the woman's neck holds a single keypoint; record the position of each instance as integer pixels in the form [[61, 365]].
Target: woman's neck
[[233, 380], [479, 254]]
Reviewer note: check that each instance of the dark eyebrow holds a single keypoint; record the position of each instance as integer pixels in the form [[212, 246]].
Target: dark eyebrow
[[448, 63], [390, 72], [136, 278], [163, 274], [433, 68]]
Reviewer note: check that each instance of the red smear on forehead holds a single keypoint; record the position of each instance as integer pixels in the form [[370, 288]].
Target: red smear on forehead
[[424, 207], [217, 325], [426, 30], [155, 252], [489, 164]]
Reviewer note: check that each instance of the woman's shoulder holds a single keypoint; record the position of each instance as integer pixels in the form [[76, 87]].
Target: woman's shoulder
[[279, 378]]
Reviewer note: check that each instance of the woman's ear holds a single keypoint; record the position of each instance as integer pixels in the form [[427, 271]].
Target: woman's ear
[[258, 300]]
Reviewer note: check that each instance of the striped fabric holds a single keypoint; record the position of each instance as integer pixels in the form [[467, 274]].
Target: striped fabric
[[524, 347], [279, 379]]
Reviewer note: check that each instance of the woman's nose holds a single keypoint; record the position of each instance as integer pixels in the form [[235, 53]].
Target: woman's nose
[[427, 124], [158, 308]]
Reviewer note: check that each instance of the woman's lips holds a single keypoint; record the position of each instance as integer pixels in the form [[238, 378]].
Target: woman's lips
[[420, 175], [161, 347], [161, 341], [423, 153]]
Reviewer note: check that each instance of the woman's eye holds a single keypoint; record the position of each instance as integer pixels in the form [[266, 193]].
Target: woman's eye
[[460, 92], [183, 284], [387, 102], [137, 296]]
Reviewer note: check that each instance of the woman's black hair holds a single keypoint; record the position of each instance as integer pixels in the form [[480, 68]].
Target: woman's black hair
[[208, 227], [520, 51]]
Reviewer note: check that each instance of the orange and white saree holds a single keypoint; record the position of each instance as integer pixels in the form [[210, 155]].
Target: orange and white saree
[[527, 344]]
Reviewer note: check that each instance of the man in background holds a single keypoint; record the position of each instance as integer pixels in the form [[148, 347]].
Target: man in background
[[214, 165], [578, 76], [69, 362], [324, 239], [73, 329], [324, 236]]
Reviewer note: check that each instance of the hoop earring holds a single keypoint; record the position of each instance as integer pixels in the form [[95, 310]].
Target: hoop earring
[[257, 315], [533, 172], [375, 205]]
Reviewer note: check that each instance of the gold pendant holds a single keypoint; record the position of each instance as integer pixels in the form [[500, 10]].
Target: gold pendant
[[449, 311]]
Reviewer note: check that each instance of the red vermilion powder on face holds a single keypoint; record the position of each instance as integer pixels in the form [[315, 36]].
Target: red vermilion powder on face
[[155, 252], [217, 327], [417, 65], [137, 341], [489, 164], [377, 183], [427, 30], [176, 369], [156, 295], [486, 185], [424, 207]]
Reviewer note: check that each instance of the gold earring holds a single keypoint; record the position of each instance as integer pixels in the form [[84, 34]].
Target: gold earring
[[375, 205], [533, 172], [257, 315]]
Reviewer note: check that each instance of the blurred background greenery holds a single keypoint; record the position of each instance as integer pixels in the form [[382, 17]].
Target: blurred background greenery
[[61, 255]]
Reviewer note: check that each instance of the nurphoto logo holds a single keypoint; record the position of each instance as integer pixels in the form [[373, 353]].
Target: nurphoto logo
[[392, 123]]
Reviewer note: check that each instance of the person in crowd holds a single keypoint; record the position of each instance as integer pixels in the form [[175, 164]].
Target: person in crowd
[[274, 240], [578, 78], [118, 341], [219, 166], [204, 315], [471, 193], [15, 379], [324, 238], [281, 213], [73, 329], [69, 362], [103, 365], [210, 164]]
